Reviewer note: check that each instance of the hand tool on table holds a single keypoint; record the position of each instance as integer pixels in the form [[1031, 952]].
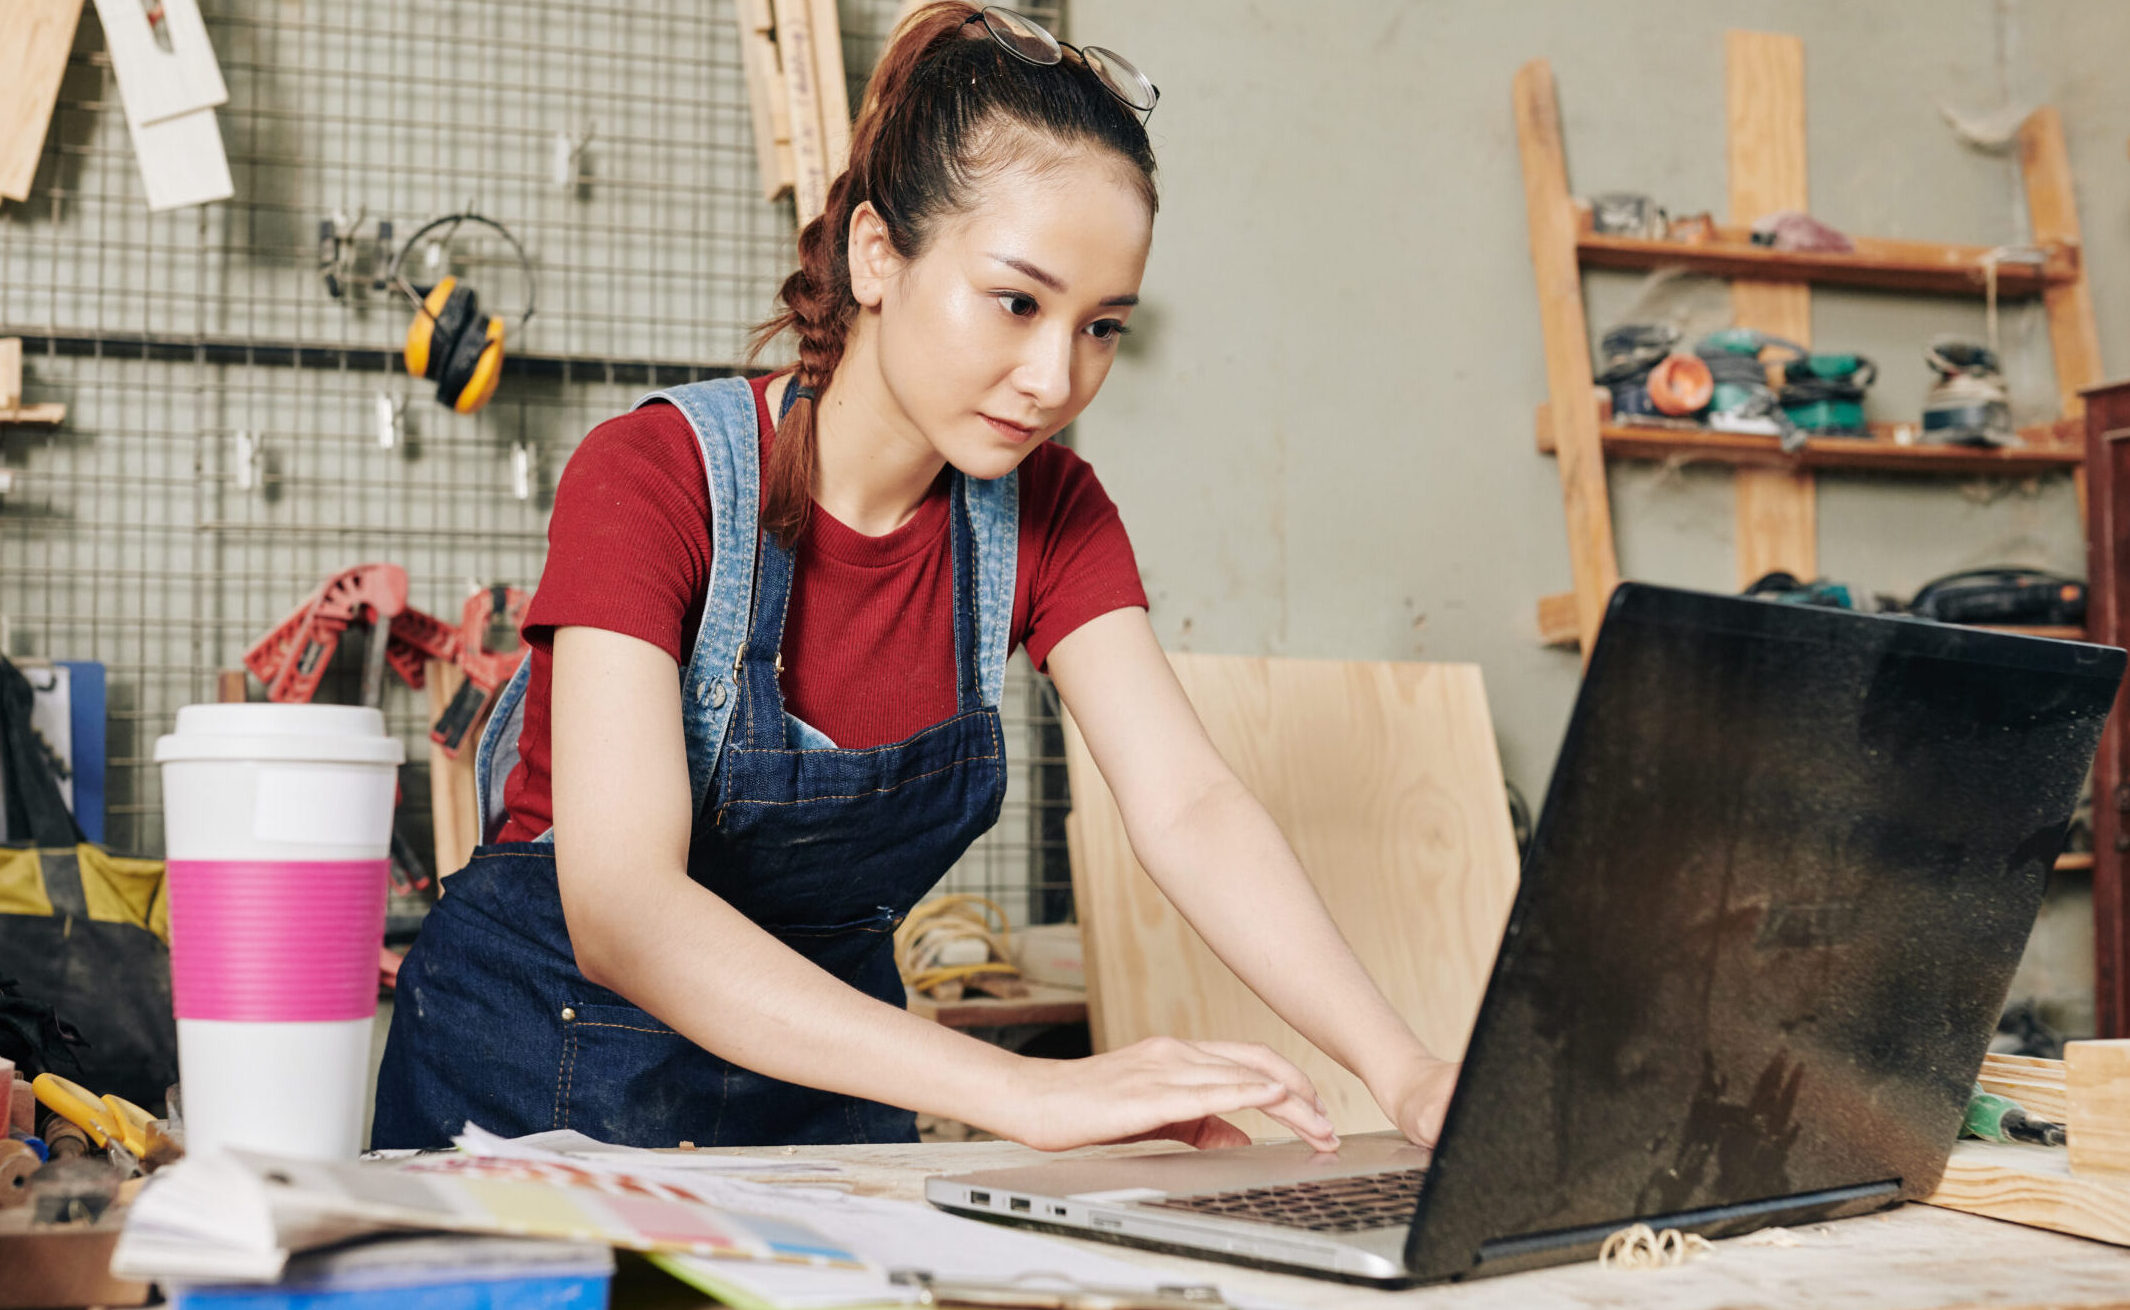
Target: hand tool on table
[[100, 1118], [1995, 1118], [127, 1133]]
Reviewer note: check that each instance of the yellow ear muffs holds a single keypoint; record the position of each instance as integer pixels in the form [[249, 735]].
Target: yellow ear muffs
[[486, 370], [423, 340], [450, 341]]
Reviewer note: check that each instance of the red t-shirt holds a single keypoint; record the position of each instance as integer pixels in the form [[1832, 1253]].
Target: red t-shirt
[[869, 637]]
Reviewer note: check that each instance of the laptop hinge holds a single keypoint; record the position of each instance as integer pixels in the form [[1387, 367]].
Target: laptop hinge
[[1802, 1204]]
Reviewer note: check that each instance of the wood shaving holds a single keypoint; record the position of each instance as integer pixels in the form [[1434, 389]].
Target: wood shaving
[[1641, 1247]]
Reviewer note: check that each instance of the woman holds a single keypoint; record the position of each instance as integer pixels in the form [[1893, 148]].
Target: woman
[[760, 717]]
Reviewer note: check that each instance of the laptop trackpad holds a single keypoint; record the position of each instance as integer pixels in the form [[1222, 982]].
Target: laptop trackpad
[[1146, 1177]]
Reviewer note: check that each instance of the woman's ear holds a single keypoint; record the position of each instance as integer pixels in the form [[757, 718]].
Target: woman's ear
[[873, 260]]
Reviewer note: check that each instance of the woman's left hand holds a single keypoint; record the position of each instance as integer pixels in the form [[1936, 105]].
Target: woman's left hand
[[1417, 1096]]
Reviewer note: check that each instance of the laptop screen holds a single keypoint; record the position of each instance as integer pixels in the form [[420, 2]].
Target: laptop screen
[[1786, 867]]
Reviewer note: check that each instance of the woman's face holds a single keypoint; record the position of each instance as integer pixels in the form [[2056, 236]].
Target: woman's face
[[1002, 330]]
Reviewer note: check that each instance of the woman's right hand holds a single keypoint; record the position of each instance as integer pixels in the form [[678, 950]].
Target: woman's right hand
[[1162, 1087]]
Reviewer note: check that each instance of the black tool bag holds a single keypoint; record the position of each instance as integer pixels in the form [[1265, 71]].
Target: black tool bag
[[83, 935]]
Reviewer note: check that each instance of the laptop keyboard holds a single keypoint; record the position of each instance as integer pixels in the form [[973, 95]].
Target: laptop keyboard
[[1334, 1205]]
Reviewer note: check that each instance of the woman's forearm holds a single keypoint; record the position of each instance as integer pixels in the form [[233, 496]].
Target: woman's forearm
[[1225, 864], [688, 957]]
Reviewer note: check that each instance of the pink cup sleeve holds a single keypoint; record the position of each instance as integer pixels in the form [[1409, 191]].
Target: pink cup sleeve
[[276, 940]]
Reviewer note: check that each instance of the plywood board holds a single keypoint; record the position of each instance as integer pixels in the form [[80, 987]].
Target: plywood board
[[2033, 1185], [1777, 509], [1592, 557], [1386, 781], [35, 36]]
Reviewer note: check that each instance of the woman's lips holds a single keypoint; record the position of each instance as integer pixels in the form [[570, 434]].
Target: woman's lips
[[1010, 431]]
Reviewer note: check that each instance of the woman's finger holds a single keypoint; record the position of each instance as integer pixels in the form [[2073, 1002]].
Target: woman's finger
[[1265, 1060], [1270, 1099], [1305, 1122], [1303, 1111]]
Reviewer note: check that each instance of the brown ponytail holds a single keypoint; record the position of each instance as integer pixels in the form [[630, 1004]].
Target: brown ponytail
[[921, 140]]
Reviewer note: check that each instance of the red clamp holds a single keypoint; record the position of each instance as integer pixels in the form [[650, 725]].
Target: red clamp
[[292, 658]]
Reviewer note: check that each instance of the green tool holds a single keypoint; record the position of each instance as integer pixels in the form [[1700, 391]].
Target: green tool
[[1996, 1118]]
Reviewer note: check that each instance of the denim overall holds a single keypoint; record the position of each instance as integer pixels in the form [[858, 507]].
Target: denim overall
[[825, 848]]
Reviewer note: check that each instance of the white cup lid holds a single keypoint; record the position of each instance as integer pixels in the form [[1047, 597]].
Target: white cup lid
[[329, 734]]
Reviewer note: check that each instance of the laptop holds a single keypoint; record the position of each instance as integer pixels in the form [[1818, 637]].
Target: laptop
[[1786, 866]]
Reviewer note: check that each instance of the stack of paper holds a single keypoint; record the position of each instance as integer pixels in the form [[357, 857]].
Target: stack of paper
[[235, 1216], [887, 1236]]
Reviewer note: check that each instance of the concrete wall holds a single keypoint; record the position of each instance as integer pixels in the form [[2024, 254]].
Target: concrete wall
[[1321, 438]]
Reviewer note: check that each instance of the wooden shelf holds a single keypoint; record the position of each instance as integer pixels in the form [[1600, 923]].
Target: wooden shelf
[[1041, 1005], [45, 415], [1888, 265], [2043, 453], [2075, 860]]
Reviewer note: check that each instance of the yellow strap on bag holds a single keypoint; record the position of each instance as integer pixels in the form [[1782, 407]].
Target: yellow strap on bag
[[89, 881]]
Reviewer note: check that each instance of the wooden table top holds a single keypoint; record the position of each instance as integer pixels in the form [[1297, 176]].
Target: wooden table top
[[1916, 1257]]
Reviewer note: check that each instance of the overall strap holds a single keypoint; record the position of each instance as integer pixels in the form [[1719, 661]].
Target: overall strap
[[993, 510], [966, 662], [761, 657]]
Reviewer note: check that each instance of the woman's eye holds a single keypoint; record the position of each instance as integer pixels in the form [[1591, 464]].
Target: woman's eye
[[1017, 304], [1108, 329]]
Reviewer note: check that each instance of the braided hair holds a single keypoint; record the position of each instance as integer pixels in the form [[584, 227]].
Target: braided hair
[[946, 109]]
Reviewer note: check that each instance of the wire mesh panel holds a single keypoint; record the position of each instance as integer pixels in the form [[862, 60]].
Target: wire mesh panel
[[237, 432]]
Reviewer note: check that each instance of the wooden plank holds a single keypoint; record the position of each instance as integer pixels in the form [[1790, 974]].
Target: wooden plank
[[765, 96], [1777, 509], [1386, 780], [1877, 262], [45, 415], [2026, 1066], [1592, 557], [2097, 1081], [2052, 210], [2038, 1086], [35, 36], [2033, 1185], [835, 91], [802, 99], [453, 809]]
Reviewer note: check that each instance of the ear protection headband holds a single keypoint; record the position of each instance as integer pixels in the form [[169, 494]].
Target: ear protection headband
[[451, 342]]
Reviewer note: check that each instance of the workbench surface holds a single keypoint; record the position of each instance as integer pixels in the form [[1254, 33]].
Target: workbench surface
[[1911, 1258]]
